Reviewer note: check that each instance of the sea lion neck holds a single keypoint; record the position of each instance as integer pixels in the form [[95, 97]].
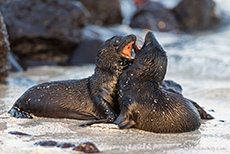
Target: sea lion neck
[[135, 72], [103, 84]]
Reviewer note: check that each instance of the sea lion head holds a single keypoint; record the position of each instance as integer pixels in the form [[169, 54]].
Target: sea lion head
[[115, 53], [151, 59]]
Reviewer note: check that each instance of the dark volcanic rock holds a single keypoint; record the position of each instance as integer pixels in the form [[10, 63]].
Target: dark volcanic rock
[[86, 52], [87, 147], [44, 29], [19, 133], [65, 145], [195, 14], [46, 143], [51, 143], [154, 16], [103, 12], [2, 1], [4, 51]]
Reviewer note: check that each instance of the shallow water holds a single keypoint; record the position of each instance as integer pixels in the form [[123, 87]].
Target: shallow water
[[199, 62]]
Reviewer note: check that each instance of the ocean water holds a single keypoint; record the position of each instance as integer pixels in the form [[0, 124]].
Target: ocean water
[[199, 62]]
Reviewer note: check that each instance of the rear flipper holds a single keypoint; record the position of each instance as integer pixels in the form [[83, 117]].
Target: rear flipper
[[202, 112], [17, 113], [171, 86]]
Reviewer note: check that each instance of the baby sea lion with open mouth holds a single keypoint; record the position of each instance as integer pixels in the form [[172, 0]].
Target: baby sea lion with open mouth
[[89, 98], [148, 103]]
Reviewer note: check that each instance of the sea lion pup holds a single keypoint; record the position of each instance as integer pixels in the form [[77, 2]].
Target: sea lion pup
[[144, 103], [89, 98]]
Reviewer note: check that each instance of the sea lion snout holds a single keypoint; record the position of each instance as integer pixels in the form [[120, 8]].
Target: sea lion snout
[[127, 45], [130, 38], [149, 37], [151, 44]]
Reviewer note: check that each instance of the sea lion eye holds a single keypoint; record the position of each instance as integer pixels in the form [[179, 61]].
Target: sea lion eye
[[116, 43]]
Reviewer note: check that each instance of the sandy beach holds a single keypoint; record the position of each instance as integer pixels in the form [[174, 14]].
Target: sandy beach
[[212, 137]]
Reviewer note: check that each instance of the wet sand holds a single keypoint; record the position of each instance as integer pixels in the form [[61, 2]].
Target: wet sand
[[212, 137]]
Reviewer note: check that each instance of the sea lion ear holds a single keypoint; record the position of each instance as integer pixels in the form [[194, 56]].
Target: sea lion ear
[[150, 39]]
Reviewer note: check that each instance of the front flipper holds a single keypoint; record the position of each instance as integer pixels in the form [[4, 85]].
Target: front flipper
[[104, 113], [125, 119], [109, 120], [124, 123], [202, 112], [104, 110], [17, 113]]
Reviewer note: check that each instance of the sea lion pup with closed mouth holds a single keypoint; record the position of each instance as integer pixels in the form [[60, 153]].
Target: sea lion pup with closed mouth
[[146, 104], [89, 98]]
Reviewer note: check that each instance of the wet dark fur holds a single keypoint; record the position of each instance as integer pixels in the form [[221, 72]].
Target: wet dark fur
[[89, 98], [172, 86], [149, 104]]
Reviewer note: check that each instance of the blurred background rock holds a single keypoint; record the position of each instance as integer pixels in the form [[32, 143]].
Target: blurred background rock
[[57, 32], [4, 51]]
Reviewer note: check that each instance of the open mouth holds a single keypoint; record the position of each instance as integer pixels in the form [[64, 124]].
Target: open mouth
[[127, 50], [132, 47]]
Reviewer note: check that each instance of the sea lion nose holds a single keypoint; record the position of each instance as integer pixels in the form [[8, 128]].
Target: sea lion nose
[[150, 37], [151, 42], [131, 37]]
